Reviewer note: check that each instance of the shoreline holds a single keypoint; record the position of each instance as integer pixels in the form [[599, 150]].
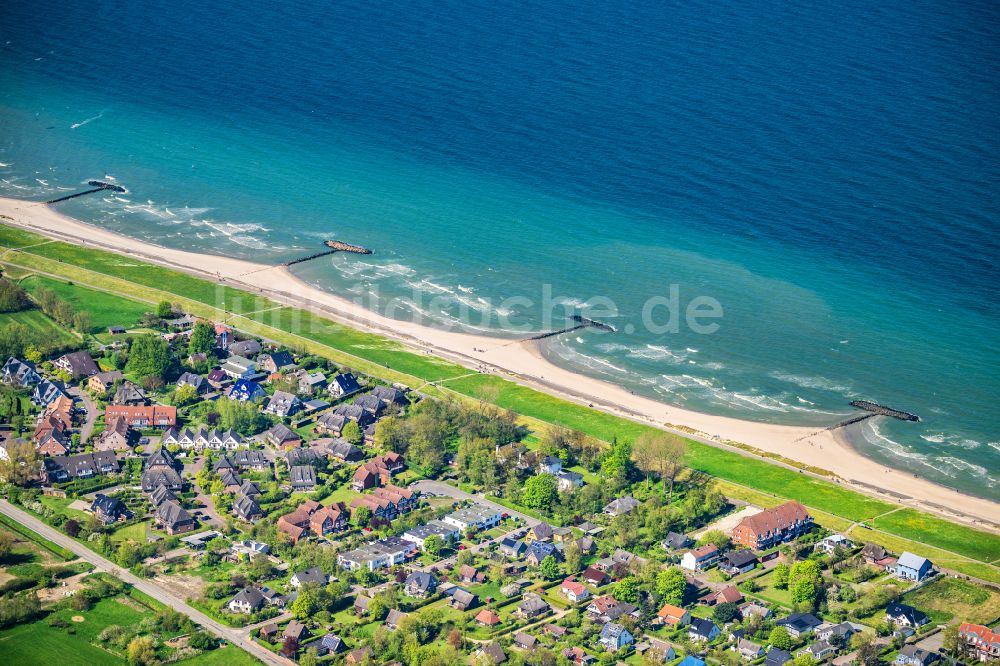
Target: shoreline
[[524, 363]]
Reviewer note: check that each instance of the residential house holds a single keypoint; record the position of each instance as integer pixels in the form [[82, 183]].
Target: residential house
[[108, 510], [390, 396], [912, 567], [129, 394], [173, 518], [311, 575], [103, 382], [296, 523], [303, 477], [979, 642], [384, 553], [21, 374], [283, 404], [488, 618], [578, 657], [46, 392], [594, 576], [819, 650], [343, 385], [142, 417], [246, 459], [238, 367], [700, 558], [197, 382], [461, 599], [118, 436], [231, 481], [614, 637], [776, 657], [310, 382], [161, 494], [77, 364], [246, 508], [831, 543], [702, 630], [539, 550], [772, 526], [248, 600], [525, 641], [574, 590], [358, 656], [340, 449], [839, 634], [418, 535], [749, 650], [901, 615], [355, 413], [275, 362], [512, 548], [737, 562], [60, 469], [245, 390], [393, 619], [330, 423], [727, 595], [540, 532], [673, 616], [911, 655], [370, 404], [492, 652], [619, 562], [361, 603], [620, 506], [330, 644], [532, 606], [328, 520], [245, 348], [752, 608], [283, 437], [295, 631], [420, 584], [550, 465], [161, 470], [799, 624], [567, 481], [606, 609]]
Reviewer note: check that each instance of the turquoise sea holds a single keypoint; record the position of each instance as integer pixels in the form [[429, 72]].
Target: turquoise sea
[[827, 173]]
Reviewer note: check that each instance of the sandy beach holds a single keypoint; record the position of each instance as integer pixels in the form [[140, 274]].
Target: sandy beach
[[524, 363]]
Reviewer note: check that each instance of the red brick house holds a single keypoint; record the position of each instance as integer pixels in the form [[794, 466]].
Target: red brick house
[[773, 526], [143, 416]]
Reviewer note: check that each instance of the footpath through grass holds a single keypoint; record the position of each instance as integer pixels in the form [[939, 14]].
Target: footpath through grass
[[375, 355]]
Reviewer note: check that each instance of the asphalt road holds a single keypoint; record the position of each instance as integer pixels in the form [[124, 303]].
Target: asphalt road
[[236, 637], [88, 424]]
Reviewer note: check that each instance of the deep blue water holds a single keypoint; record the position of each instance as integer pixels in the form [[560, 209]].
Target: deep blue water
[[827, 173]]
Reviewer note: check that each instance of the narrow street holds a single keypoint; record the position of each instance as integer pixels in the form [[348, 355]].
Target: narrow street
[[87, 427]]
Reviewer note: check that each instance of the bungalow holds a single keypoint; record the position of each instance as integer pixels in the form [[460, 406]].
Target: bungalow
[[749, 650], [608, 609], [702, 630], [777, 657], [901, 615], [311, 575], [197, 382], [837, 633], [532, 606], [574, 591], [578, 657], [525, 641], [358, 656], [799, 624], [245, 348], [655, 649], [245, 390], [275, 362], [462, 600], [727, 595], [295, 631], [172, 517], [619, 561], [330, 644], [248, 600], [772, 526], [488, 618], [614, 637], [737, 562], [108, 510], [594, 576], [393, 619], [512, 548], [19, 373], [912, 567], [492, 652], [361, 603], [77, 364], [128, 393], [911, 655], [622, 505], [420, 584], [673, 616], [675, 541], [281, 436], [103, 382], [752, 608], [283, 404], [238, 367], [143, 416], [343, 385], [700, 558]]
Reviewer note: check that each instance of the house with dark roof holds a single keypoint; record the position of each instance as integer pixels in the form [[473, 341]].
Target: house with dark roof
[[737, 562], [341, 450], [173, 518], [330, 423], [675, 541], [283, 404], [620, 506], [901, 615], [246, 390], [303, 477], [246, 508], [799, 624], [108, 510], [161, 470], [77, 364], [911, 655], [776, 657], [421, 584], [275, 361], [245, 348], [281, 436], [462, 599], [47, 391], [82, 466], [355, 413], [248, 600], [197, 382], [103, 382], [311, 575], [330, 644], [702, 630], [493, 652], [117, 436], [370, 404], [343, 385], [19, 373], [129, 394], [512, 548], [160, 494], [532, 606], [614, 637], [524, 641], [390, 396], [539, 550]]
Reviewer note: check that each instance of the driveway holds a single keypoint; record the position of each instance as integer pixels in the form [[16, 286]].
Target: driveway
[[235, 636], [448, 490], [88, 425]]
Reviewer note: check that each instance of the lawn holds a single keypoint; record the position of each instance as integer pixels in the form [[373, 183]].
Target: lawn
[[768, 592], [224, 656], [375, 355], [134, 532], [924, 528], [105, 309], [949, 598], [40, 323]]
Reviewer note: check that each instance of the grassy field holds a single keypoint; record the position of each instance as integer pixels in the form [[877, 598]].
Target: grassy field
[[372, 354], [105, 309], [226, 656], [37, 320], [23, 532], [134, 532], [948, 598], [921, 527]]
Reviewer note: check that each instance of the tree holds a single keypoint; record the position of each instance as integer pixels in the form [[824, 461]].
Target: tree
[[202, 338], [780, 638], [433, 545], [362, 516], [716, 537], [164, 309], [309, 658], [185, 395], [72, 528], [22, 463], [352, 433], [149, 356], [781, 576], [803, 590], [201, 640], [141, 651], [951, 641], [725, 612], [627, 589], [306, 604], [805, 581], [260, 567], [549, 568], [867, 650], [82, 322], [6, 544], [616, 467], [573, 557], [671, 585], [540, 492], [804, 660], [13, 298]]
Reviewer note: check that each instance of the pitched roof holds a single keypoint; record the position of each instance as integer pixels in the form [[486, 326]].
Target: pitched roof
[[775, 519]]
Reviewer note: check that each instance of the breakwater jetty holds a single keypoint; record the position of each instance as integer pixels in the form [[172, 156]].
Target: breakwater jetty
[[882, 410], [98, 185], [335, 246], [581, 322]]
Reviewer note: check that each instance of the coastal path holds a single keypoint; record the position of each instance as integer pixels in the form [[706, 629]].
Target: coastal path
[[237, 637]]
